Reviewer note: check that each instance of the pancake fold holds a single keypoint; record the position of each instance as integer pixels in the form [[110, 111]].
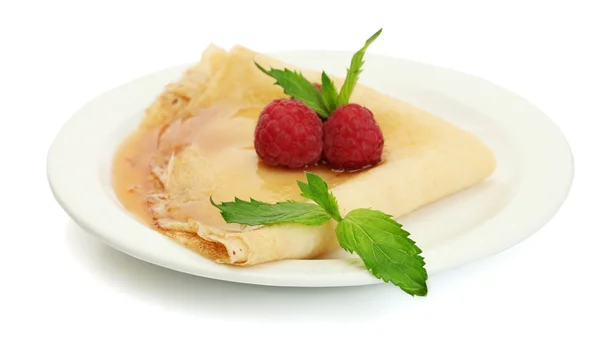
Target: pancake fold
[[218, 101]]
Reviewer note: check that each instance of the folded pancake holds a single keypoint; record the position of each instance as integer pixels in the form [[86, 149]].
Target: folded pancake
[[198, 137]]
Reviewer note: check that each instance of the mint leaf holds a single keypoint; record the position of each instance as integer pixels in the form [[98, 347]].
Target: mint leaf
[[383, 245], [354, 71], [316, 189], [297, 86], [330, 95], [385, 248], [255, 213]]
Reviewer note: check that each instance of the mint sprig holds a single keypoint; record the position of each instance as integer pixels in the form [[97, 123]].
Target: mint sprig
[[383, 245], [254, 213], [354, 71], [385, 248], [316, 189], [330, 94], [297, 86], [326, 102]]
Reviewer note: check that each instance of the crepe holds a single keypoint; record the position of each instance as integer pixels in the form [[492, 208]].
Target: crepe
[[425, 159]]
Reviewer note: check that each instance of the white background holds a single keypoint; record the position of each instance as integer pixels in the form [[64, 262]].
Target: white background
[[60, 286]]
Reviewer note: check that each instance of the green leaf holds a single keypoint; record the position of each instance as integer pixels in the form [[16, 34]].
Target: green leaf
[[354, 71], [316, 189], [385, 248], [330, 95], [297, 86], [255, 213]]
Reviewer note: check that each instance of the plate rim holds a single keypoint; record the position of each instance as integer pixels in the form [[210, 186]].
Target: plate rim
[[349, 275]]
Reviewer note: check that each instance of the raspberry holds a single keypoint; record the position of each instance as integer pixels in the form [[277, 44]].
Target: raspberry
[[288, 134], [352, 138]]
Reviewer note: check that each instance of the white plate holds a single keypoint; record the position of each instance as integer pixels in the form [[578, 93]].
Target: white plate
[[532, 179]]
